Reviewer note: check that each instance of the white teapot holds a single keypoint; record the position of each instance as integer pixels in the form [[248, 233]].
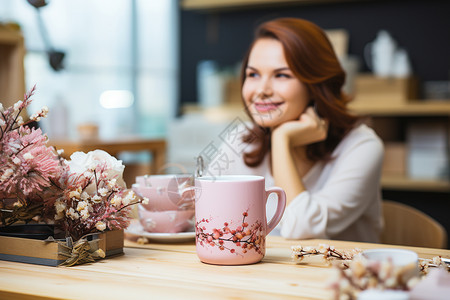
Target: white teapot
[[379, 54], [385, 59]]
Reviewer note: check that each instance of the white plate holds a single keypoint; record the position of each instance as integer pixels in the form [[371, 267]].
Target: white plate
[[135, 229]]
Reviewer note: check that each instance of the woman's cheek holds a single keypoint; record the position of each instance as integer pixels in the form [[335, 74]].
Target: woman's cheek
[[246, 94]]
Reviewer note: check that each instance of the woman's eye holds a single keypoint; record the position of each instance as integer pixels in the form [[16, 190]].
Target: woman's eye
[[283, 75], [251, 74]]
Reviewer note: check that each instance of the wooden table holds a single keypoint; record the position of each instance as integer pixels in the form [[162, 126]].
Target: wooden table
[[157, 147], [173, 271]]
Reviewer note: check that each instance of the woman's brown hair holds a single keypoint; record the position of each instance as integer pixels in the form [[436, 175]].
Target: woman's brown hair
[[311, 58]]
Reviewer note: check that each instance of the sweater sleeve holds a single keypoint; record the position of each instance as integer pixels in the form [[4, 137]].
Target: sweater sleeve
[[352, 183]]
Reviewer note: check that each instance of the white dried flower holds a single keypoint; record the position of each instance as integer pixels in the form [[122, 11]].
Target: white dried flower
[[7, 174], [413, 282], [74, 194], [385, 270], [116, 201], [126, 200], [2, 122], [20, 120], [129, 198], [344, 285], [103, 191], [100, 225], [60, 151], [81, 162], [60, 207], [17, 204], [96, 199], [84, 196], [92, 166], [391, 282], [18, 104], [84, 213], [16, 160], [437, 260], [145, 200], [81, 205], [323, 247], [364, 281], [1, 107], [28, 156], [44, 111], [358, 268], [71, 213], [112, 183], [142, 240]]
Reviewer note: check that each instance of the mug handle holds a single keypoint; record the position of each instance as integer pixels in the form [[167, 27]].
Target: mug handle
[[280, 207]]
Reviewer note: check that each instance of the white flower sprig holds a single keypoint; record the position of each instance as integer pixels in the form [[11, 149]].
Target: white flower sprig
[[95, 197], [355, 274], [326, 252]]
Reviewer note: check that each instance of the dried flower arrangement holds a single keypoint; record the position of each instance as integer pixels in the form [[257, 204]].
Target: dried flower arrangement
[[81, 196], [355, 274]]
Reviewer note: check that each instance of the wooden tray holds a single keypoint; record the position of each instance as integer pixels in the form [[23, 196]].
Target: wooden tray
[[39, 252]]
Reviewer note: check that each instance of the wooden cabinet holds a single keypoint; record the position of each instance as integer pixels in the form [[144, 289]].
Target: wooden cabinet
[[12, 52]]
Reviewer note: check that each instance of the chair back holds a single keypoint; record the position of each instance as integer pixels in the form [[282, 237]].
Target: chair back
[[405, 225]]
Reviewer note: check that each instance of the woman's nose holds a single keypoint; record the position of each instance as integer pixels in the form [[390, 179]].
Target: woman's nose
[[265, 88]]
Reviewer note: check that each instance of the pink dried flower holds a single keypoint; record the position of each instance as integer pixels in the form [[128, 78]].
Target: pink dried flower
[[84, 195], [33, 164], [28, 167]]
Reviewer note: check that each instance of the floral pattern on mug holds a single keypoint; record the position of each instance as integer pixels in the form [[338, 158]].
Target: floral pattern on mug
[[245, 236]]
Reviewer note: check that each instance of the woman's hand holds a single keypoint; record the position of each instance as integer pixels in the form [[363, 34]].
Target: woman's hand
[[289, 140], [308, 129]]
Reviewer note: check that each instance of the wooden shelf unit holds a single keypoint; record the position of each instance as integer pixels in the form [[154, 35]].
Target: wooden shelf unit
[[404, 183], [240, 4], [412, 108], [12, 75], [429, 109], [415, 108]]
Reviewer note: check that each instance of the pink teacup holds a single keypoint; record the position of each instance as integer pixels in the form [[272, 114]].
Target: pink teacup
[[168, 181], [166, 192], [169, 221], [160, 199], [230, 218]]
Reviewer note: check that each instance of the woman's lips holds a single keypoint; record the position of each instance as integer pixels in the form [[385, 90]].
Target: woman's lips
[[263, 107]]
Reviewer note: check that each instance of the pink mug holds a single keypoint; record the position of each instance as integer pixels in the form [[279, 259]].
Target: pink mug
[[230, 218]]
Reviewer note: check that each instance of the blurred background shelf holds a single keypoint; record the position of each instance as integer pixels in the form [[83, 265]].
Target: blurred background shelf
[[411, 108], [407, 130], [393, 182], [156, 147], [12, 52], [239, 4]]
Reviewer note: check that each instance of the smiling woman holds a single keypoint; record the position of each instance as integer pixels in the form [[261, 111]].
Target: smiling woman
[[272, 93], [303, 138]]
